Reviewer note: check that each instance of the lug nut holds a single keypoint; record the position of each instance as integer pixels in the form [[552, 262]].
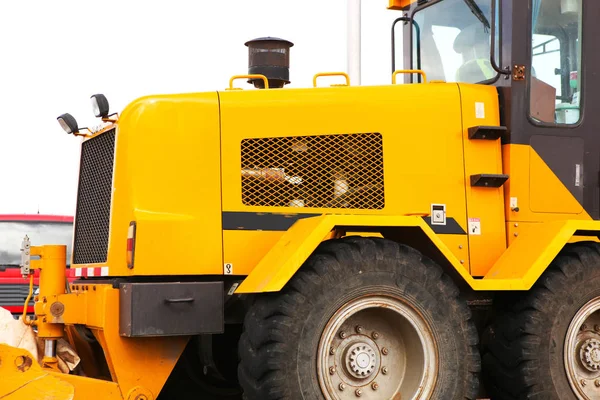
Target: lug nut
[[583, 382], [331, 350], [597, 383], [384, 370], [597, 328], [583, 327], [359, 329], [358, 392], [375, 335], [343, 335], [384, 351], [374, 386], [342, 386], [331, 370]]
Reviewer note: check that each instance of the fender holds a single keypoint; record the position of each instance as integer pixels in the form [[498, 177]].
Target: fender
[[518, 268]]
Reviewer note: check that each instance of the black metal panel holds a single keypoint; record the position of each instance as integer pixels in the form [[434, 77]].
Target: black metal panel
[[564, 156], [170, 309], [252, 221], [451, 228], [92, 218]]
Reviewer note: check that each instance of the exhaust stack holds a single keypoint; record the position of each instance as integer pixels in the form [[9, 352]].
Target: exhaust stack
[[269, 56]]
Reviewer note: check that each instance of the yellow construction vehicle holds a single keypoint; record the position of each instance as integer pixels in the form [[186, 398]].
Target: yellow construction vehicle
[[336, 242]]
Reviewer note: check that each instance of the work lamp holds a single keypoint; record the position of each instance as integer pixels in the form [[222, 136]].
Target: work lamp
[[68, 123], [99, 105]]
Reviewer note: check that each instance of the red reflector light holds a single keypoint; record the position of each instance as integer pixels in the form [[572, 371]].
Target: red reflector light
[[130, 244]]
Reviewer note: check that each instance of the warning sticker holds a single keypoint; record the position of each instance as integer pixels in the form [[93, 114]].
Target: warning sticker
[[480, 110], [474, 226]]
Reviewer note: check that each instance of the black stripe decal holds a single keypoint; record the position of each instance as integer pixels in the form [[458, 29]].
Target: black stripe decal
[[252, 221], [451, 228]]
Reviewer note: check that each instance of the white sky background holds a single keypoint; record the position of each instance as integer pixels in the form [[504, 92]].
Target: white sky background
[[55, 54]]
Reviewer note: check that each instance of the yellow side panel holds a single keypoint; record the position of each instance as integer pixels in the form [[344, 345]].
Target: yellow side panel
[[534, 249], [422, 156], [528, 173], [244, 249], [547, 192], [36, 383], [167, 179], [485, 206]]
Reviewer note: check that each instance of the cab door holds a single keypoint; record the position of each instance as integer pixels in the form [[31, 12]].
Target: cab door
[[552, 81]]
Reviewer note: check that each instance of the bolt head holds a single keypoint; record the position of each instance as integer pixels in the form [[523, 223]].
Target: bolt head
[[374, 386], [358, 392], [583, 382], [331, 370], [597, 328], [359, 329], [331, 350], [342, 386], [385, 351], [375, 335], [343, 335], [583, 327], [597, 383], [384, 370]]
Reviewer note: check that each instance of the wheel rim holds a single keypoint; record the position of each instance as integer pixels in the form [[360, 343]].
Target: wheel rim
[[377, 347], [582, 351]]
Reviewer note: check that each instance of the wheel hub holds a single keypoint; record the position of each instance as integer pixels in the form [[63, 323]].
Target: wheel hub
[[371, 348], [582, 352], [361, 360], [590, 354]]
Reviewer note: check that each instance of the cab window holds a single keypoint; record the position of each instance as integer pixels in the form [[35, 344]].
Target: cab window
[[555, 78], [455, 40]]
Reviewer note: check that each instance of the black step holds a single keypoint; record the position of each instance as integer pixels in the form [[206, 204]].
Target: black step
[[488, 180], [487, 132]]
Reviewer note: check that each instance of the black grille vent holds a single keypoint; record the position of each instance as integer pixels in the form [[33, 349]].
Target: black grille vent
[[14, 295], [93, 199]]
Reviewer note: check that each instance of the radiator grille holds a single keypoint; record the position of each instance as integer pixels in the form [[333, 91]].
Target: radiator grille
[[93, 200], [327, 171]]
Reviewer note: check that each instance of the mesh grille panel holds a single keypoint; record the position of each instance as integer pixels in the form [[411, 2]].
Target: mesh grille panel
[[329, 171], [93, 199]]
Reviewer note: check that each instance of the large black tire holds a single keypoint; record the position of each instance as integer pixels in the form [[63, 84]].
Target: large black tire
[[523, 350], [278, 348], [188, 382]]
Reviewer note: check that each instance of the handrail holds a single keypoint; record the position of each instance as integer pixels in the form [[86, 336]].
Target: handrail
[[409, 71], [251, 76], [345, 75]]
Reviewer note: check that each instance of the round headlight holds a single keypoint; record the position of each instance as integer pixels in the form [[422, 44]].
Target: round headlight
[[68, 123], [99, 105]]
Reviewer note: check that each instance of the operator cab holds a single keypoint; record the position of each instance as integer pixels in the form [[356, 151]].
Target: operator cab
[[539, 54]]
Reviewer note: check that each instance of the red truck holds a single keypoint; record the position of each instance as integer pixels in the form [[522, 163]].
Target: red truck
[[41, 229]]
